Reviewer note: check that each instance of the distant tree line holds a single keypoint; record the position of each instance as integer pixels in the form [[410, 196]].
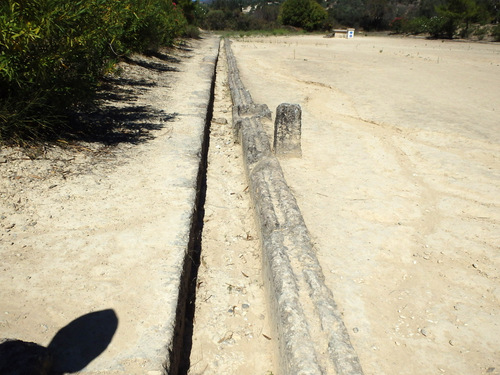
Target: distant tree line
[[438, 18]]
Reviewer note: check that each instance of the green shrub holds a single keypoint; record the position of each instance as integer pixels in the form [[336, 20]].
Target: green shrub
[[53, 52], [479, 31], [152, 23], [417, 25], [496, 33], [215, 20], [437, 26], [441, 27], [397, 25], [191, 31], [307, 14]]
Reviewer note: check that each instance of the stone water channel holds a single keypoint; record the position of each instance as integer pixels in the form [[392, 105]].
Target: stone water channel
[[261, 306], [231, 333]]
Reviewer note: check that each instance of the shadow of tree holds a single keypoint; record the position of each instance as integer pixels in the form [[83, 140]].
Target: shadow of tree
[[115, 117], [163, 56], [112, 125], [151, 65], [71, 350]]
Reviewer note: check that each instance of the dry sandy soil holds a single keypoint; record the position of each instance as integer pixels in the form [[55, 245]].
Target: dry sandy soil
[[399, 185], [102, 226]]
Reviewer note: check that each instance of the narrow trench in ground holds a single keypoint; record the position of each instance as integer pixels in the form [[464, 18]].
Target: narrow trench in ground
[[185, 318]]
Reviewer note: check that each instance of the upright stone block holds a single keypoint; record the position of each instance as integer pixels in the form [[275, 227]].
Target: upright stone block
[[287, 130]]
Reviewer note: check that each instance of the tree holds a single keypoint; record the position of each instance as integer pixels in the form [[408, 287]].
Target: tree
[[349, 12], [427, 8], [307, 14], [376, 14], [215, 20], [457, 11]]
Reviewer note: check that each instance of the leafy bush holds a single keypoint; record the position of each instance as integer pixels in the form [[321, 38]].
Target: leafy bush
[[455, 12], [53, 52], [417, 25], [480, 32], [436, 27], [397, 25], [192, 32], [307, 14], [215, 20], [151, 23], [496, 33], [349, 12], [441, 27]]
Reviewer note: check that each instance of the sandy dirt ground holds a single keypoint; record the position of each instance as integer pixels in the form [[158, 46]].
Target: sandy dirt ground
[[103, 225], [231, 328], [399, 185]]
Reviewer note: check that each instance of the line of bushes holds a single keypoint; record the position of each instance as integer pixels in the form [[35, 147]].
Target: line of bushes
[[452, 18], [443, 27], [53, 53]]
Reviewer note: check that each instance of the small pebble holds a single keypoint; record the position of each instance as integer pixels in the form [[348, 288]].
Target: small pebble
[[355, 330]]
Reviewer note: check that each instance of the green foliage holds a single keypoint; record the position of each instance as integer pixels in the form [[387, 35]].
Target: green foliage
[[349, 12], [397, 25], [436, 27], [441, 27], [152, 23], [451, 18], [215, 20], [53, 52], [496, 33], [480, 32], [192, 32], [377, 14], [427, 8], [221, 16], [417, 25], [267, 12], [453, 12], [189, 9], [368, 14], [306, 14], [261, 33]]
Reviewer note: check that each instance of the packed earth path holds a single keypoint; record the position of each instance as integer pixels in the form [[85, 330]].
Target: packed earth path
[[399, 185], [96, 234]]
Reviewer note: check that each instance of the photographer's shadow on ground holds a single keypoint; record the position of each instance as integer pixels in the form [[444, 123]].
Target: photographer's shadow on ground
[[72, 348]]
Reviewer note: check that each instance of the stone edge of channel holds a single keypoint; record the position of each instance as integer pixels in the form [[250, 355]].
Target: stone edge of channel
[[291, 269]]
